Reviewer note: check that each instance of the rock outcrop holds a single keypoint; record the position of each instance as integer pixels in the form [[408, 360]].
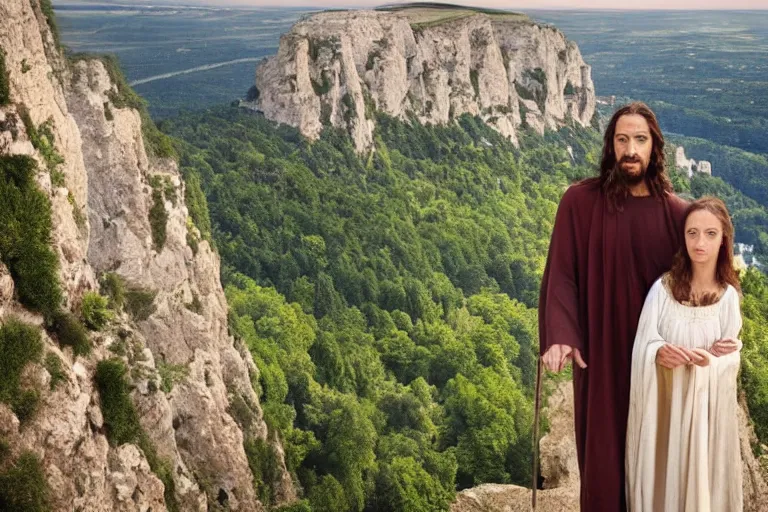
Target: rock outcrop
[[689, 166], [558, 465], [560, 470], [102, 198], [335, 68]]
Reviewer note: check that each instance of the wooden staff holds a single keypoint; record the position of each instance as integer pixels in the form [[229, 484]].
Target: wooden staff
[[536, 411]]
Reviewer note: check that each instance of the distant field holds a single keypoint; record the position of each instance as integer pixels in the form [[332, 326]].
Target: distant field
[[704, 72], [426, 15]]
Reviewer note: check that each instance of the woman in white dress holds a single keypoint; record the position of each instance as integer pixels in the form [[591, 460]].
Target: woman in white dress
[[682, 434]]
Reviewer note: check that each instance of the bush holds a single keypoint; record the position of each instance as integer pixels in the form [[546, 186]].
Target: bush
[[170, 374], [197, 204], [299, 506], [114, 286], [265, 468], [120, 418], [5, 86], [23, 486], [5, 450], [20, 344], [42, 139], [328, 495], [71, 332], [122, 422], [77, 212], [160, 467], [156, 142], [25, 404], [94, 311], [164, 471], [25, 215], [140, 304], [158, 217], [45, 143], [53, 365]]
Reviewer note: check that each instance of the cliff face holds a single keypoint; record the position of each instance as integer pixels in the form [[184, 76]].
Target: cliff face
[[101, 211], [336, 67]]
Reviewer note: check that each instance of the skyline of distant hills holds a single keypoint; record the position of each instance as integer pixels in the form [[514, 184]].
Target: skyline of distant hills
[[703, 69]]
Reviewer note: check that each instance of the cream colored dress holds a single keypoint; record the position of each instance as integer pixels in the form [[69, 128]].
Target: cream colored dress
[[682, 433]]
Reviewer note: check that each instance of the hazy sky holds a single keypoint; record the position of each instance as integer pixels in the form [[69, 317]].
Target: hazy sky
[[502, 4], [520, 4]]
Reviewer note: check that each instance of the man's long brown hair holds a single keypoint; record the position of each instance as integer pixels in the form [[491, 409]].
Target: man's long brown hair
[[611, 177], [679, 279]]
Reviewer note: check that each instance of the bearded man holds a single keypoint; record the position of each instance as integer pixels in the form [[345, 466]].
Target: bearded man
[[614, 235]]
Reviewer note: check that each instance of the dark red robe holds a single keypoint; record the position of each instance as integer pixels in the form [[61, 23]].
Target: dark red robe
[[600, 266]]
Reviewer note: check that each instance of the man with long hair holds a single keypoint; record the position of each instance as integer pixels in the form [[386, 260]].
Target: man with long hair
[[614, 235]]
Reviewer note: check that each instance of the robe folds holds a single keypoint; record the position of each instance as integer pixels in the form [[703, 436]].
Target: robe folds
[[682, 434], [601, 263]]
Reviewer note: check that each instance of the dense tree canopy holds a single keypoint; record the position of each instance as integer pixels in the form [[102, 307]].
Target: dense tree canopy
[[389, 299]]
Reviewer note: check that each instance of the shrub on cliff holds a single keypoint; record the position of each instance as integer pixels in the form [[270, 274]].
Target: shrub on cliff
[[20, 344], [114, 287], [120, 416], [25, 215], [70, 332], [122, 422], [23, 485], [5, 87], [94, 311]]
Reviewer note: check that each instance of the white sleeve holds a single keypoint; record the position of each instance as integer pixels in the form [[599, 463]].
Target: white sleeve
[[730, 326], [730, 315], [643, 406]]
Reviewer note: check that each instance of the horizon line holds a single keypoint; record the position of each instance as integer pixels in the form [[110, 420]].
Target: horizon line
[[313, 6]]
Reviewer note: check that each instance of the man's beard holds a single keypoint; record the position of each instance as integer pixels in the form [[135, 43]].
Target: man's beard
[[627, 178]]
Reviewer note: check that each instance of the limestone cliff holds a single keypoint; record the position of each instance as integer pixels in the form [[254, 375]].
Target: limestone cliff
[[102, 192], [433, 64]]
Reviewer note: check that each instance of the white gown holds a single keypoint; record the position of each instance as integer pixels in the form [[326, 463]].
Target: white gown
[[682, 433]]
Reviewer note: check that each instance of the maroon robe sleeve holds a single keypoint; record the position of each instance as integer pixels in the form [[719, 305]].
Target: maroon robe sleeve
[[559, 295]]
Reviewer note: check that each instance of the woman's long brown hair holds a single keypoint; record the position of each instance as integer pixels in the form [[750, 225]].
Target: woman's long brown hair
[[679, 279]]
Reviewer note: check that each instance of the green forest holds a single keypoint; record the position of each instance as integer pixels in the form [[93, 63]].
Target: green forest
[[389, 299]]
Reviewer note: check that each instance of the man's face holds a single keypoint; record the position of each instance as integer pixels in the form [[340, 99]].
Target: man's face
[[632, 144]]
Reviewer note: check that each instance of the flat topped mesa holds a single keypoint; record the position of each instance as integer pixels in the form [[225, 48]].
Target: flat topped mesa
[[420, 14], [433, 63]]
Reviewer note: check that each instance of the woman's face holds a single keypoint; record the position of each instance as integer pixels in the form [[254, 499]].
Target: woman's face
[[703, 236]]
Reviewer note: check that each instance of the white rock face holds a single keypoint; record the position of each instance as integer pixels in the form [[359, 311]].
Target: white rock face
[[33, 84], [704, 167], [683, 163], [107, 175], [335, 67], [690, 165]]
